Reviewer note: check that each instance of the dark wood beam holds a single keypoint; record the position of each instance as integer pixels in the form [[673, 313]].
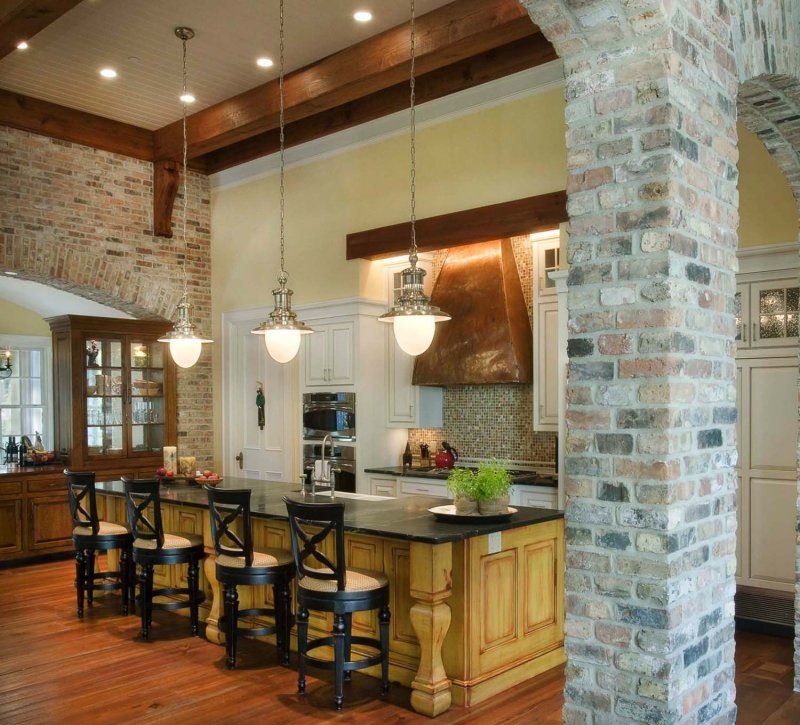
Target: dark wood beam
[[490, 65], [166, 176], [445, 36], [27, 19], [49, 119], [496, 221]]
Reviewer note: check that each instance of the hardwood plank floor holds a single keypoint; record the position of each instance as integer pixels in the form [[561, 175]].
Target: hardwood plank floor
[[57, 669]]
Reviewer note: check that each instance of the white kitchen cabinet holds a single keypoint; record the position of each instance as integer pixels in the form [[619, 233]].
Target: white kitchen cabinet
[[382, 486], [423, 487], [541, 497], [767, 311], [545, 356], [328, 354], [407, 405], [767, 433]]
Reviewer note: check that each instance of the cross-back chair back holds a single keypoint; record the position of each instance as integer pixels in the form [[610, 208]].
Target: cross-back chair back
[[143, 504], [328, 518], [230, 510], [82, 499]]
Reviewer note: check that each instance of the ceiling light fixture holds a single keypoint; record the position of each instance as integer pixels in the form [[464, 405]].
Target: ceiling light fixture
[[362, 16], [5, 365], [185, 345], [22, 45], [187, 98], [414, 316], [264, 63], [108, 73], [282, 330]]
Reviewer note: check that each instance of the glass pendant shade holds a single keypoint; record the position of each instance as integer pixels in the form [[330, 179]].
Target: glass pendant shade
[[414, 318], [185, 345], [282, 345], [282, 330]]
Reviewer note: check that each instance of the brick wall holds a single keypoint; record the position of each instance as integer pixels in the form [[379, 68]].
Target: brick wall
[[80, 219], [651, 141]]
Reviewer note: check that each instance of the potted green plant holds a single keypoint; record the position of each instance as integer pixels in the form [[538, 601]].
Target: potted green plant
[[460, 483], [491, 487]]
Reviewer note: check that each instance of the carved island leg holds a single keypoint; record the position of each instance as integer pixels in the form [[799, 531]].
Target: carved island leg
[[213, 632], [431, 585]]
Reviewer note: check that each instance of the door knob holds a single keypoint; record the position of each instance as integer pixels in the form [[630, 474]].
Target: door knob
[[240, 458]]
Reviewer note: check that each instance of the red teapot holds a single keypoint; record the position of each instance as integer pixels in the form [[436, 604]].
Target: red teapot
[[447, 457]]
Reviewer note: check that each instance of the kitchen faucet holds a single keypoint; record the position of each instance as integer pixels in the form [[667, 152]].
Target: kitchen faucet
[[324, 477]]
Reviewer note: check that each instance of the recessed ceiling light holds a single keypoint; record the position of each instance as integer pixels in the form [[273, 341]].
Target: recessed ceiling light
[[11, 274], [108, 73], [22, 45], [362, 16], [187, 98], [264, 63]]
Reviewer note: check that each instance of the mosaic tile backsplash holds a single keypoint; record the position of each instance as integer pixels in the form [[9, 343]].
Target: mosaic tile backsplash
[[492, 421]]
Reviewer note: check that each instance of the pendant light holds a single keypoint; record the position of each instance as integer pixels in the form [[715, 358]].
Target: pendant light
[[282, 330], [185, 344], [414, 318]]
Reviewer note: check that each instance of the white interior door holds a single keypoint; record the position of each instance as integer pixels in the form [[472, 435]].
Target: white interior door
[[267, 453]]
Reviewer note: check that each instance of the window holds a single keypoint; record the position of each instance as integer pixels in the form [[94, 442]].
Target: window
[[25, 406]]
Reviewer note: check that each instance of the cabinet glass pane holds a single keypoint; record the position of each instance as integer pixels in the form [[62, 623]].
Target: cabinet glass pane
[[105, 439], [103, 353], [146, 355], [778, 312], [737, 311], [148, 437]]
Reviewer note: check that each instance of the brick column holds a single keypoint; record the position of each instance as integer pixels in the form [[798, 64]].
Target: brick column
[[651, 513]]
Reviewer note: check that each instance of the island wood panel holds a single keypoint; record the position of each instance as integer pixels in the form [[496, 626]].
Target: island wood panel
[[11, 526], [511, 604]]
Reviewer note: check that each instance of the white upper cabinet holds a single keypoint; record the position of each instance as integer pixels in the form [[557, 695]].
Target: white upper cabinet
[[329, 354], [767, 313]]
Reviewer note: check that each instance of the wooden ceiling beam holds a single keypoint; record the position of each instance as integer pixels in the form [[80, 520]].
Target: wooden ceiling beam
[[27, 19], [490, 65], [50, 119], [451, 33], [496, 221]]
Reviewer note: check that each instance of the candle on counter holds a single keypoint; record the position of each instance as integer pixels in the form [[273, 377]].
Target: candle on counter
[[170, 457]]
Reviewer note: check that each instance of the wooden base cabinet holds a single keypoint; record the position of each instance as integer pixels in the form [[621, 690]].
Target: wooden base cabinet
[[34, 516]]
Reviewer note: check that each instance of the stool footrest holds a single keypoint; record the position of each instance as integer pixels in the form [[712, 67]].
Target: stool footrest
[[106, 574], [350, 665], [258, 631], [171, 591]]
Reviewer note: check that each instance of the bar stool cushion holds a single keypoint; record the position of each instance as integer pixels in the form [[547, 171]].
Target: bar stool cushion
[[356, 580], [106, 529], [171, 541], [261, 559]]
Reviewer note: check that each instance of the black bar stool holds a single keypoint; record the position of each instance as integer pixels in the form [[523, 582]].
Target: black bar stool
[[90, 535], [152, 546], [237, 564], [334, 588]]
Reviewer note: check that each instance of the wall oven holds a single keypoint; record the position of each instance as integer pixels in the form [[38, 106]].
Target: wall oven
[[343, 461], [332, 414]]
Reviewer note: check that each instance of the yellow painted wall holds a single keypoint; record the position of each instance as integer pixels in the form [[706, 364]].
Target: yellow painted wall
[[768, 212], [16, 320]]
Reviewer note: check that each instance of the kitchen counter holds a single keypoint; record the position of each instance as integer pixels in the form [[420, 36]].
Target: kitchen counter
[[449, 641], [17, 472], [531, 478], [399, 518]]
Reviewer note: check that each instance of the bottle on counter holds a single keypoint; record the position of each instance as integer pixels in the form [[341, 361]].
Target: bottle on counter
[[8, 458], [22, 452], [407, 457], [14, 452]]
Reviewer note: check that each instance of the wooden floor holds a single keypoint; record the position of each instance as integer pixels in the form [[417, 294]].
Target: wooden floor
[[56, 669]]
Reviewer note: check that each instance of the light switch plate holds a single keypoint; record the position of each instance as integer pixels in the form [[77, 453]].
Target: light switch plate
[[495, 542]]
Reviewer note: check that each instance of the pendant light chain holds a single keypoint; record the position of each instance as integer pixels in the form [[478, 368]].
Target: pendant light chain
[[283, 275], [185, 192], [413, 253]]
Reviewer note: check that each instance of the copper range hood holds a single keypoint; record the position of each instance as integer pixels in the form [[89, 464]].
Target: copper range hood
[[489, 339]]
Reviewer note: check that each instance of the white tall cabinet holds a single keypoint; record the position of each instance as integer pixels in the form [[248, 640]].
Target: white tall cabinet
[[766, 387]]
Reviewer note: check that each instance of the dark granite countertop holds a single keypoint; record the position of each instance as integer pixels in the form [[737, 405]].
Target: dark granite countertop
[[526, 478], [17, 471], [398, 518]]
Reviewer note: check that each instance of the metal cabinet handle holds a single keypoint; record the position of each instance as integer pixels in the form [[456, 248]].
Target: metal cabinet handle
[[744, 332], [240, 458], [755, 332]]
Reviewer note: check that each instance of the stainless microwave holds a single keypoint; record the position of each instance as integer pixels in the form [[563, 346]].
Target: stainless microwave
[[332, 414]]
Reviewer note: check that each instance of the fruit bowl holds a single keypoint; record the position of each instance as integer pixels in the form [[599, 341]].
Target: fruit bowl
[[200, 480]]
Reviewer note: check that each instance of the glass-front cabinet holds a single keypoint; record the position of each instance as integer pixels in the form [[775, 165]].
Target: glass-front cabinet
[[121, 402]]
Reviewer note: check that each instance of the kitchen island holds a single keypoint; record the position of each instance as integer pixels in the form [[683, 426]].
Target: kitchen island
[[476, 608]]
